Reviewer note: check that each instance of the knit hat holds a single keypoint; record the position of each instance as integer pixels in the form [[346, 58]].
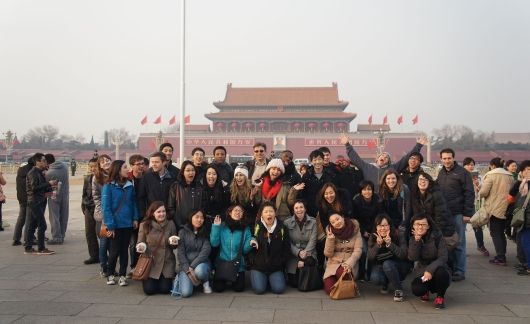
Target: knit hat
[[241, 169], [276, 163]]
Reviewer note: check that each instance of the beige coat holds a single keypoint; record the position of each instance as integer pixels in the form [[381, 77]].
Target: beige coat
[[164, 260], [495, 189], [283, 202], [338, 252]]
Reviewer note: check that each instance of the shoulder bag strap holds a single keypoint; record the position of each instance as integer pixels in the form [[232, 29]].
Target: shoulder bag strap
[[159, 244], [240, 250], [122, 201], [526, 200]]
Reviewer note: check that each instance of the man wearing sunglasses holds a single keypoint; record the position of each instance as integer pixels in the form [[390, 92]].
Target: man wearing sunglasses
[[257, 166]]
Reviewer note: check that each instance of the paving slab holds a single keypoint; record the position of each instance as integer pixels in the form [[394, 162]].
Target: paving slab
[[6, 319], [29, 295], [130, 311], [92, 297], [325, 317], [261, 302], [521, 310], [19, 284], [367, 305], [467, 308], [41, 308], [213, 300], [160, 321], [30, 319], [224, 314], [414, 318], [498, 319]]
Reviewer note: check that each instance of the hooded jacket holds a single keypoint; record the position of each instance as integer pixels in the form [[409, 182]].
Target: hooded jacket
[[59, 171], [495, 189], [22, 173], [434, 205], [111, 200]]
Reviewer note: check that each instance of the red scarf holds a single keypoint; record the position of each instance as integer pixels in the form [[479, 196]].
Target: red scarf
[[269, 192]]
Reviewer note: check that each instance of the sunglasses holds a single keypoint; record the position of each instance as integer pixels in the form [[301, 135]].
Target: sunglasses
[[259, 151]]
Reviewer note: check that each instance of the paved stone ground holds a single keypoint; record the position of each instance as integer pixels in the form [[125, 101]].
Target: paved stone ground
[[60, 289]]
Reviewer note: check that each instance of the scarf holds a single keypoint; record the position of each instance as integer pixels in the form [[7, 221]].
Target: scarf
[[523, 188], [270, 191], [270, 230], [300, 222], [346, 232]]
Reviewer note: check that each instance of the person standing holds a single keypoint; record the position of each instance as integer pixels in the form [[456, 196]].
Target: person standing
[[457, 188], [185, 195], [155, 184], [3, 182], [73, 166], [22, 197], [58, 203], [410, 174], [226, 173], [88, 206], [37, 189], [495, 188], [100, 178], [167, 149], [256, 167]]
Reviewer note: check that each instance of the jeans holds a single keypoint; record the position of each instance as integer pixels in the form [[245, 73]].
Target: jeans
[[390, 271], [259, 281], [459, 253], [104, 248], [497, 227], [202, 271], [525, 244], [36, 220], [23, 215]]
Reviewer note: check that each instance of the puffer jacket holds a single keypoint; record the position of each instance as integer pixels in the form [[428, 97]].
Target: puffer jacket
[[111, 199], [273, 250], [164, 259], [396, 251], [182, 200], [193, 249], [229, 243], [434, 205], [348, 251], [457, 188], [495, 189], [430, 252]]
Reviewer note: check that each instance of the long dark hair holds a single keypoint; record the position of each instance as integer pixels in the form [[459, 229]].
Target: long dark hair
[[335, 206], [180, 177], [150, 215], [203, 230], [217, 187], [115, 172]]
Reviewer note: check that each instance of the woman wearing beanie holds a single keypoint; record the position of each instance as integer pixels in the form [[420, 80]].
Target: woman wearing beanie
[[273, 189], [242, 193]]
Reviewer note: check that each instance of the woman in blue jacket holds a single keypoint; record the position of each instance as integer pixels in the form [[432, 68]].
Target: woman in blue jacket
[[120, 215], [227, 236]]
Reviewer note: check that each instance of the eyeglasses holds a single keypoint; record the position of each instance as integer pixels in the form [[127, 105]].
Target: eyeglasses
[[383, 226], [422, 180], [420, 225], [139, 164], [259, 151]]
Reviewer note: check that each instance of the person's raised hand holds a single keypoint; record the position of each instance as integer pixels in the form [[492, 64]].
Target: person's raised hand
[[344, 139], [217, 220]]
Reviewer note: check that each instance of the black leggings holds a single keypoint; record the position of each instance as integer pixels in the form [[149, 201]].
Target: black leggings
[[157, 286], [119, 247], [438, 284], [237, 286]]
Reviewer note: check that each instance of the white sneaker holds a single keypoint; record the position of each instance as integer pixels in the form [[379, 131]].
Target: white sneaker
[[123, 281], [129, 275], [206, 287], [111, 280]]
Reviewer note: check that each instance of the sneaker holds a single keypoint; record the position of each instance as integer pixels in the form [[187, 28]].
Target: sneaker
[[439, 303], [458, 277], [91, 261], [123, 281], [498, 261], [16, 243], [425, 298], [30, 251], [519, 266], [206, 287], [483, 251], [398, 295], [524, 272], [45, 252], [384, 290], [111, 280]]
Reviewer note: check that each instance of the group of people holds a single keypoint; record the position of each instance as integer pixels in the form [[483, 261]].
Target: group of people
[[378, 222]]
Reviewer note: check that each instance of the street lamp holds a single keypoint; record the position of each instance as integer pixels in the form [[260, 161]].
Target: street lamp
[[9, 141]]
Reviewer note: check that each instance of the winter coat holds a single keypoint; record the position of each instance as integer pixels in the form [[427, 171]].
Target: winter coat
[[396, 251], [347, 209], [164, 259], [349, 179], [430, 252], [36, 187], [87, 202], [283, 201], [404, 208], [173, 170], [251, 164], [216, 200], [152, 188], [495, 189], [301, 239], [59, 171], [270, 256], [229, 243], [193, 249], [183, 198], [519, 202], [348, 251], [312, 187], [373, 172], [225, 171], [291, 175], [96, 196], [434, 205], [457, 188], [410, 178], [22, 173], [111, 197], [364, 212]]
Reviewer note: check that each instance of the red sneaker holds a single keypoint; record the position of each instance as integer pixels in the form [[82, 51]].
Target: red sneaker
[[439, 303]]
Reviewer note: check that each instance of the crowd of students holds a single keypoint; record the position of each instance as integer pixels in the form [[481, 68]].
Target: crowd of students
[[379, 222]]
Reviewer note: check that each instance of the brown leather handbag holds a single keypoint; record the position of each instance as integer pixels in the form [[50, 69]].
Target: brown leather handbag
[[344, 288], [103, 230], [145, 262]]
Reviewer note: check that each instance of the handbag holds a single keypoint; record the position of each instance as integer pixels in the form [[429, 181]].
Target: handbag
[[480, 218], [309, 278], [103, 231], [344, 288], [518, 213], [145, 262], [452, 241], [229, 270]]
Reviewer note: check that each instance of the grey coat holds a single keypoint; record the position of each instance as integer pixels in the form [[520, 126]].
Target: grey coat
[[164, 259], [193, 249], [430, 252], [305, 239]]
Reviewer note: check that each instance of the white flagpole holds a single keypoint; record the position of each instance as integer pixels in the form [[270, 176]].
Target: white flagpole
[[182, 79]]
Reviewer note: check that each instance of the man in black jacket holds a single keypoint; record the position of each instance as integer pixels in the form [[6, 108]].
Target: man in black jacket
[[155, 184], [22, 198], [37, 188], [88, 206], [219, 160], [457, 187], [291, 174], [167, 149]]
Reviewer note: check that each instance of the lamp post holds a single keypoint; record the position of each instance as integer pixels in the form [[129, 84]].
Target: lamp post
[[9, 139], [182, 79], [380, 141], [117, 140]]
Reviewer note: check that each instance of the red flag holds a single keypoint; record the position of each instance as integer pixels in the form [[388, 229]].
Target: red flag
[[158, 120], [172, 120], [187, 119], [385, 120], [371, 144], [370, 120], [144, 120], [415, 120], [400, 120]]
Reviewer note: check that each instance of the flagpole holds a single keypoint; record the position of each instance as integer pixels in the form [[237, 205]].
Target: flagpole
[[182, 79]]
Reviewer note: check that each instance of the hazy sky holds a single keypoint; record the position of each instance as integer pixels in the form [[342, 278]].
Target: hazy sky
[[87, 66]]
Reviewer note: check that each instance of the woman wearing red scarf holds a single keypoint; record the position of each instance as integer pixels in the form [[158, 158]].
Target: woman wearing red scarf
[[343, 249], [276, 191]]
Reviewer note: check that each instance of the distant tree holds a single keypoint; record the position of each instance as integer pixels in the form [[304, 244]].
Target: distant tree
[[461, 137], [127, 139]]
